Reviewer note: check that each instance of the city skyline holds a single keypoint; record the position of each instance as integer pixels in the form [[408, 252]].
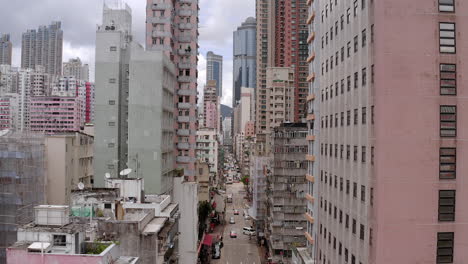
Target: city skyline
[[79, 32]]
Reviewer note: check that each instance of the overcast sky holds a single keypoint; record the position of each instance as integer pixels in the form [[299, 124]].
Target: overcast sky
[[218, 19]]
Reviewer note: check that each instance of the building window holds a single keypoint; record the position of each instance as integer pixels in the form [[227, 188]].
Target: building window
[[372, 155], [363, 193], [348, 49], [355, 153], [448, 79], [355, 116], [111, 102], [110, 145], [355, 5], [364, 115], [348, 15], [348, 118], [356, 44], [342, 22], [347, 221], [356, 80], [447, 37], [446, 5], [448, 161], [347, 186], [364, 76], [363, 4], [447, 205], [348, 152], [110, 166], [111, 123], [354, 226], [445, 243], [342, 86], [363, 154], [354, 189], [60, 240], [348, 83], [113, 48], [364, 38], [448, 121], [112, 80]]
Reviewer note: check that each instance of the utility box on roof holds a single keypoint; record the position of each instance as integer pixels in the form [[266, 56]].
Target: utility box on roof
[[51, 215]]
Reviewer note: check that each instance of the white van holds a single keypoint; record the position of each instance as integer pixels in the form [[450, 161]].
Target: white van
[[248, 231]]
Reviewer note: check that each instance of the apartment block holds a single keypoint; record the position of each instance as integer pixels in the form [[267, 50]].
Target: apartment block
[[244, 62], [24, 95], [280, 93], [286, 187], [214, 71], [43, 47], [54, 114], [172, 27], [41, 82], [150, 143], [8, 79], [8, 111], [385, 157], [5, 49], [66, 86], [207, 148], [74, 67], [112, 91], [69, 159], [211, 106]]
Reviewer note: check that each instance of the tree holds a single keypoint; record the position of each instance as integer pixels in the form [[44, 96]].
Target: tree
[[245, 180], [204, 209]]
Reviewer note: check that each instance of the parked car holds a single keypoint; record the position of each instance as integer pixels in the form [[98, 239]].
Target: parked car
[[216, 251], [236, 212], [233, 234], [232, 221], [248, 231]]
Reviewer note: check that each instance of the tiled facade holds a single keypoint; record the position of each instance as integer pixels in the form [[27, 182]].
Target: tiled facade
[[55, 114], [172, 26], [386, 161]]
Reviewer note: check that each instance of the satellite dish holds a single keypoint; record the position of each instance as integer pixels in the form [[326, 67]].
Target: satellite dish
[[107, 175], [80, 185], [125, 172]]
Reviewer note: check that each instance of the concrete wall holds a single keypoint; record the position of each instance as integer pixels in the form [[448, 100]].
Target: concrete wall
[[151, 133], [185, 194]]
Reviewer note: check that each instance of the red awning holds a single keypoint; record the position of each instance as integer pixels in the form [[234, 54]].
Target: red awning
[[208, 240]]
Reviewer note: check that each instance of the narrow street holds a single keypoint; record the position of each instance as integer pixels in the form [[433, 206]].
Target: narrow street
[[238, 250]]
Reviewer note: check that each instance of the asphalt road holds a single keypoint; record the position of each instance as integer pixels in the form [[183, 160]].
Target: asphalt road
[[238, 250]]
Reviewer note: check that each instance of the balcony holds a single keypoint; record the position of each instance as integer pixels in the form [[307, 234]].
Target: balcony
[[158, 33], [185, 12], [185, 52], [185, 38], [183, 159], [183, 145], [183, 132], [183, 119], [186, 65], [159, 20], [185, 79], [161, 6], [184, 26], [184, 105], [187, 92]]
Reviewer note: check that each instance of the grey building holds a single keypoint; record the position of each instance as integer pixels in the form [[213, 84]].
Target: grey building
[[113, 39], [214, 71], [43, 47], [244, 54], [74, 67], [5, 49], [151, 119], [286, 189]]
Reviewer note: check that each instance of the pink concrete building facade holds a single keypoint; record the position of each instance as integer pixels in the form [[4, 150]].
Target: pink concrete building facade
[[172, 26], [53, 114], [387, 132]]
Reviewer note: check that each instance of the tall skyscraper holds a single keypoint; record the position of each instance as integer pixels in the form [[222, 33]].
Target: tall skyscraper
[[172, 26], [291, 47], [43, 47], [214, 71], [5, 49], [387, 133], [75, 68], [245, 52], [113, 39]]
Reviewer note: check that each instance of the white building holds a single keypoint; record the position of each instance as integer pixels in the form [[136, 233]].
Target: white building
[[24, 94], [75, 68], [207, 148]]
